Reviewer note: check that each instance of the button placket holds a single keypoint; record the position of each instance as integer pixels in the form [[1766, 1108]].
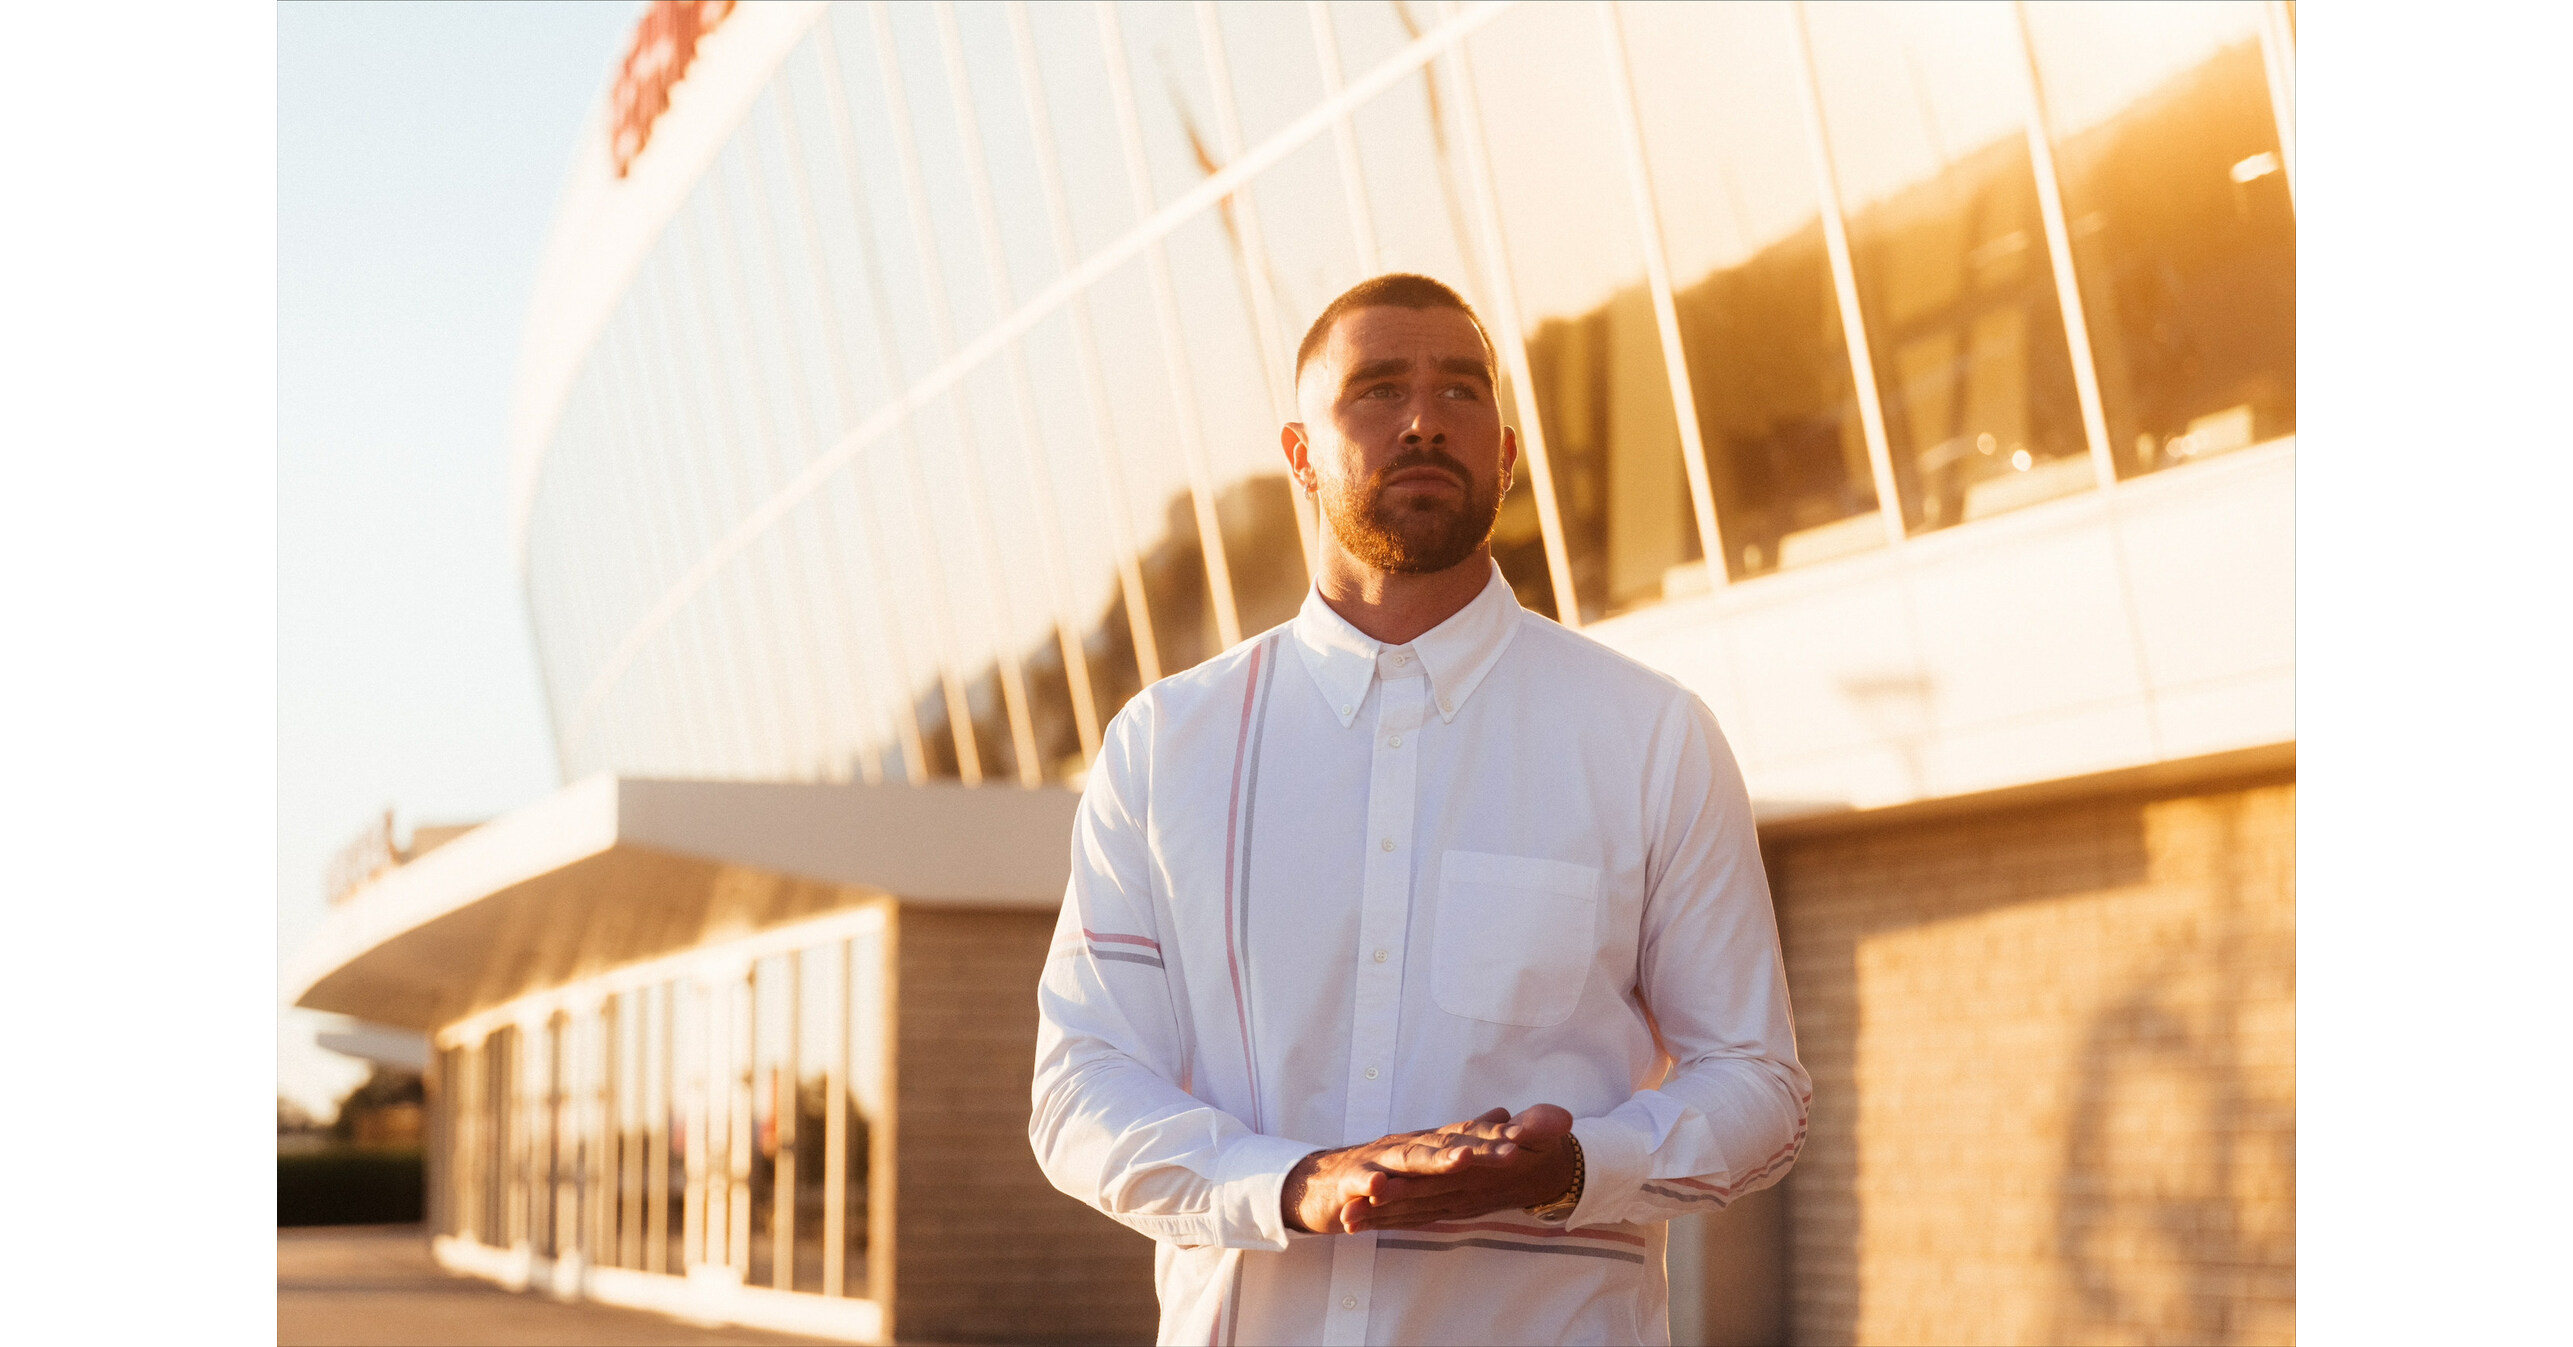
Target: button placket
[[1384, 915]]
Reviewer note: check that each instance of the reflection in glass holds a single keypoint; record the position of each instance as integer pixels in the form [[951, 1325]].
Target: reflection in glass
[[1577, 266], [772, 1162], [741, 1130], [2183, 231], [867, 1034], [1717, 92], [665, 1180], [1422, 210], [1925, 106], [691, 1120], [1089, 511], [1082, 119]]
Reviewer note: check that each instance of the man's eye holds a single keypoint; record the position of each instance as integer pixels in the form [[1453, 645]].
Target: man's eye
[[1464, 392], [1382, 390]]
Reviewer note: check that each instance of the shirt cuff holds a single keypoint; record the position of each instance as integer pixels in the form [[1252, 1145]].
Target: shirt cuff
[[1613, 1160], [1248, 1183]]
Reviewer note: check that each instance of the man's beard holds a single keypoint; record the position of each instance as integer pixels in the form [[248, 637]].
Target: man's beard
[[1423, 535]]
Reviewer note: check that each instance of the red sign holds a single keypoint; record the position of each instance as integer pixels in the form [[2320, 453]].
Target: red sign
[[664, 45]]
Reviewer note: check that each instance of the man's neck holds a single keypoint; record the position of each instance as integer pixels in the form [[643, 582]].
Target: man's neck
[[1392, 607]]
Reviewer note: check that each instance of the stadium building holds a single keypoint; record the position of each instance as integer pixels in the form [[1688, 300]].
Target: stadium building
[[900, 395]]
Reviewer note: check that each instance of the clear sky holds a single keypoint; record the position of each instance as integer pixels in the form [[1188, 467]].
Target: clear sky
[[421, 149]]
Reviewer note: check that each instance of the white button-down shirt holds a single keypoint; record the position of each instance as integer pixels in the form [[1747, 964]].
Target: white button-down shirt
[[1325, 889]]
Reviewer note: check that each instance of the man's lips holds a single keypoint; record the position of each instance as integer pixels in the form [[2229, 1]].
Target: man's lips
[[1425, 476]]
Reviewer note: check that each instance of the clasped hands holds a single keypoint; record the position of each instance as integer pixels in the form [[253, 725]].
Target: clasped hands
[[1494, 1162]]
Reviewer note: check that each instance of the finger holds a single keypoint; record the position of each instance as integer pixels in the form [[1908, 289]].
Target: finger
[[1432, 1158], [1415, 1215], [1400, 1188], [1539, 1122], [1352, 1215], [1485, 1125]]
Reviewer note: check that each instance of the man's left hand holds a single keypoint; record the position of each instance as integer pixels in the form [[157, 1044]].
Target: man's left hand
[[1521, 1162]]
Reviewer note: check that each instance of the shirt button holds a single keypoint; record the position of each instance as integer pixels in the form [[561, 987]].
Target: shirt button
[[1371, 1073], [1380, 956], [1349, 1302], [1344, 710], [1446, 706], [1401, 660], [1396, 741], [1387, 844]]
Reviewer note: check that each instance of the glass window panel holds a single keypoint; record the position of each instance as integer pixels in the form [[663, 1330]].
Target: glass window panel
[[773, 1020], [742, 1131], [1418, 198], [868, 1035], [545, 1153], [1925, 107], [493, 1155], [1276, 77], [950, 204], [953, 538], [871, 142], [1304, 223], [1371, 31], [688, 1121], [1718, 93], [1017, 535], [1128, 332], [1165, 59], [834, 186], [818, 1040], [669, 1169], [1009, 148], [1081, 486], [2184, 235], [1577, 263], [881, 484], [761, 384], [1211, 273], [867, 625], [1083, 114], [1422, 209]]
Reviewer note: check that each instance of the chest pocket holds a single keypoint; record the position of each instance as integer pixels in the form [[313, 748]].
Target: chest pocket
[[1516, 937]]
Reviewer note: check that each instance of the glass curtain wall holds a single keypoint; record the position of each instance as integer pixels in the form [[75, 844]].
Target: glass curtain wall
[[2182, 220], [941, 416], [680, 1121]]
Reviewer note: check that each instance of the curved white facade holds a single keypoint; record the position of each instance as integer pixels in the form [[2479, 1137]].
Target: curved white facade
[[914, 399]]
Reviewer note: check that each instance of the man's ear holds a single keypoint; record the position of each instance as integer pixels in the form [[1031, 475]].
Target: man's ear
[[1509, 457], [1299, 461]]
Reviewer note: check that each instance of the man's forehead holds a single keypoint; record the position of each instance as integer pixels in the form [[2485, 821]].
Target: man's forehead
[[1378, 331]]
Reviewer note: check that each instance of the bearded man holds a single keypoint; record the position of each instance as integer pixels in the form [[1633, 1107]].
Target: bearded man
[[1417, 964]]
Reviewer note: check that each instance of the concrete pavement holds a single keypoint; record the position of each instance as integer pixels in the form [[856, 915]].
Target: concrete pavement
[[374, 1286]]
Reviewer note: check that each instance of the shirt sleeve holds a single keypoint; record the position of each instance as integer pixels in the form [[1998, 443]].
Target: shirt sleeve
[[1730, 1117], [1112, 1121]]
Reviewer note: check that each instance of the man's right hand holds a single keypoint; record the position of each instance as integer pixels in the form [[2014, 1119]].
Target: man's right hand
[[1328, 1192]]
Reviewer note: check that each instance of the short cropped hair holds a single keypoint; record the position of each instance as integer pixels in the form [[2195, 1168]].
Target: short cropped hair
[[1394, 290]]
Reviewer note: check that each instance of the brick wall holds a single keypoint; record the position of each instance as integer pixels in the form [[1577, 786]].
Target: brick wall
[[2053, 1051], [983, 1248]]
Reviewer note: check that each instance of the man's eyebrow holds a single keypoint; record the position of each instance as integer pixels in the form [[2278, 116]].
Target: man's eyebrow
[[1455, 364], [1377, 369]]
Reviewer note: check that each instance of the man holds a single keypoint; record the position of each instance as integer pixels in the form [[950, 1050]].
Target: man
[[1417, 963]]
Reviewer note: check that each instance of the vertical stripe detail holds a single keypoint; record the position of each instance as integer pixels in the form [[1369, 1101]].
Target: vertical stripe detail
[[1232, 837], [1250, 821], [1228, 1319]]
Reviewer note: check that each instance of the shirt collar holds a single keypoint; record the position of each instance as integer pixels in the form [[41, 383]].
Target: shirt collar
[[1455, 654]]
